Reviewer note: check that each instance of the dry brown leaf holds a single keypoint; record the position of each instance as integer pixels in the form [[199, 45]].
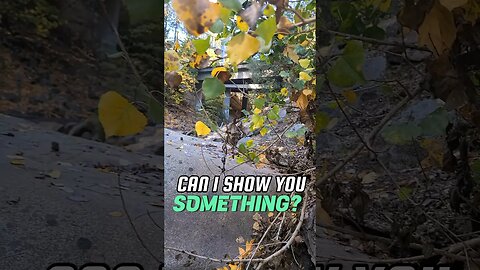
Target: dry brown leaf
[[438, 31]]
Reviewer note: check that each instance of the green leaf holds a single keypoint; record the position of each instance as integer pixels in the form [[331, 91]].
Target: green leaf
[[231, 4], [259, 103], [272, 115], [435, 124], [212, 88], [242, 148], [404, 193], [347, 70], [267, 29], [217, 27], [201, 45], [401, 133], [257, 121], [284, 74]]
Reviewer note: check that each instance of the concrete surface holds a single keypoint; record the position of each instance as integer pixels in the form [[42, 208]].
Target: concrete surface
[[74, 215]]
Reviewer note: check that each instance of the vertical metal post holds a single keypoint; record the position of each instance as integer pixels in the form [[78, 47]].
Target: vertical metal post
[[226, 106]]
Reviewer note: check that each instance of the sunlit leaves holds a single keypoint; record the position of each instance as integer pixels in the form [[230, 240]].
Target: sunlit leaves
[[267, 29], [212, 88], [197, 15], [347, 70], [284, 91], [221, 73], [304, 63], [438, 31], [201, 45], [241, 47], [118, 117], [269, 10], [242, 25], [257, 121], [304, 76], [231, 4], [201, 129]]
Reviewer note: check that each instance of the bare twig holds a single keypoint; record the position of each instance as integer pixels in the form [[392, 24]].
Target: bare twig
[[124, 205], [370, 137], [292, 237], [372, 40]]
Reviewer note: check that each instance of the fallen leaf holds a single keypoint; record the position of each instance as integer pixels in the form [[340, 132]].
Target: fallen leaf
[[17, 160], [55, 174], [118, 116], [116, 214], [202, 129], [256, 226], [438, 30]]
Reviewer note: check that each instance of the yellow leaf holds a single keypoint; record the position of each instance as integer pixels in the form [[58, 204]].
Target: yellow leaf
[[118, 116], [290, 53], [284, 25], [304, 63], [257, 111], [350, 95], [302, 101], [241, 47], [55, 174], [176, 46], [171, 60], [451, 4], [263, 131], [304, 76], [438, 31], [249, 245], [211, 53], [241, 252], [270, 214], [197, 15], [233, 266], [17, 161], [307, 92], [280, 36], [241, 24], [256, 226], [304, 43], [249, 143], [435, 149], [262, 161], [201, 128], [116, 214], [284, 91], [216, 70], [269, 10]]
